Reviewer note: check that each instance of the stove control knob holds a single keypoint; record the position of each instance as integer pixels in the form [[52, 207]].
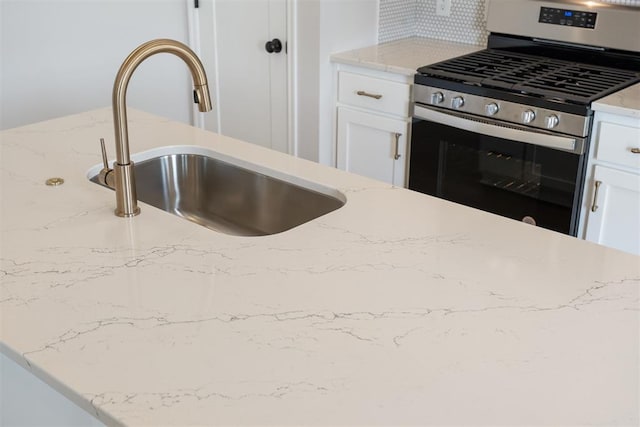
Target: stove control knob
[[491, 109], [457, 102], [528, 116], [437, 98], [551, 121]]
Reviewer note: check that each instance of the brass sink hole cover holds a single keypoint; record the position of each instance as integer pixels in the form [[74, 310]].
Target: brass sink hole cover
[[54, 182]]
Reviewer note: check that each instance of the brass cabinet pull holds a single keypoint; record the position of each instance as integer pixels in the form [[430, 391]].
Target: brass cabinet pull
[[635, 150], [396, 156], [370, 95], [594, 206]]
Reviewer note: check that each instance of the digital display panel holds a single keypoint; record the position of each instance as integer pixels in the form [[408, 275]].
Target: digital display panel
[[565, 17]]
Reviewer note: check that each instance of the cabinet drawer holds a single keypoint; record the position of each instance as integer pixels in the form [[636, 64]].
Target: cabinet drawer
[[619, 144], [374, 94]]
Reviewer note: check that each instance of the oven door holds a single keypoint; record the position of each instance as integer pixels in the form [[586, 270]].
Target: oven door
[[508, 170]]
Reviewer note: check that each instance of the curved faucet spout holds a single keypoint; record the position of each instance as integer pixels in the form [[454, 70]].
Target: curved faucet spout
[[126, 199]]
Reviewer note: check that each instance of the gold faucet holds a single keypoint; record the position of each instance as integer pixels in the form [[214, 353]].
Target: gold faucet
[[124, 179]]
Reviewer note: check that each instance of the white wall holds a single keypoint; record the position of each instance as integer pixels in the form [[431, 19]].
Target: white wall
[[346, 24], [326, 27], [307, 78], [60, 57]]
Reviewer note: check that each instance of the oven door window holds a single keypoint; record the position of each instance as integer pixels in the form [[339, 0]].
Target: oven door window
[[522, 181]]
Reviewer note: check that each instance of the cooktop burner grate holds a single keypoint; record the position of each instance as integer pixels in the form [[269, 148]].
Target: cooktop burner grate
[[534, 75]]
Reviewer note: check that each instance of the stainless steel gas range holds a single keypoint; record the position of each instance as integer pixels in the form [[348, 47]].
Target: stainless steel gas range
[[506, 129]]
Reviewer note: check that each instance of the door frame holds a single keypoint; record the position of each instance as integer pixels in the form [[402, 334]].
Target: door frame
[[202, 31]]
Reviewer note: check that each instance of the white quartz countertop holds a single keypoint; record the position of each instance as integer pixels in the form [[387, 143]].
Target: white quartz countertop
[[397, 309], [625, 102], [404, 56]]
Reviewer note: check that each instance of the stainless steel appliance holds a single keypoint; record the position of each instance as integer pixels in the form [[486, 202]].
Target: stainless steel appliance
[[506, 129]]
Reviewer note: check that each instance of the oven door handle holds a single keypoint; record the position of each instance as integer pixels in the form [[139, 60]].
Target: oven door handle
[[573, 145]]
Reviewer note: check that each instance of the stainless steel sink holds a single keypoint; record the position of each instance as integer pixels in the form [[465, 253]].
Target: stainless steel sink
[[228, 198]]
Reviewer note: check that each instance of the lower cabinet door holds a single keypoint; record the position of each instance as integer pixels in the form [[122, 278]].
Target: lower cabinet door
[[614, 216], [372, 145]]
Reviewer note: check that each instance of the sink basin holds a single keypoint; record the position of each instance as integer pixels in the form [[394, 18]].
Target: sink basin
[[226, 197]]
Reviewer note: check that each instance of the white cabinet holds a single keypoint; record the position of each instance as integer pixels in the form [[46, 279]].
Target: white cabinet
[[373, 118], [614, 216], [372, 145], [611, 208]]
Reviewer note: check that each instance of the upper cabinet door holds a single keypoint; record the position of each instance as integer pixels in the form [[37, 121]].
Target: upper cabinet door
[[250, 44]]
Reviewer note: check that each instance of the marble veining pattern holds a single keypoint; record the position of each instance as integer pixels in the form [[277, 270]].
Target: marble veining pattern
[[396, 309]]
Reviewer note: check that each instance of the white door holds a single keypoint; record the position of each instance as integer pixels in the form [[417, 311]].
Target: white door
[[372, 145], [251, 94], [614, 217]]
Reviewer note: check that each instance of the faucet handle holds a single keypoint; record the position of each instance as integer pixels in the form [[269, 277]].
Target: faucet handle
[[105, 163], [105, 177]]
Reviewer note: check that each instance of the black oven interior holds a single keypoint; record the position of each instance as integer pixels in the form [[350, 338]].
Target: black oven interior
[[526, 182]]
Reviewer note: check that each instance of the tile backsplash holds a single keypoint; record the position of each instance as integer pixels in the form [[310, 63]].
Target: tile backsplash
[[465, 25], [405, 18], [397, 19]]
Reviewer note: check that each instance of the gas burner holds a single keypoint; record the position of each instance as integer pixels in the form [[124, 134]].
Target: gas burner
[[536, 76]]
